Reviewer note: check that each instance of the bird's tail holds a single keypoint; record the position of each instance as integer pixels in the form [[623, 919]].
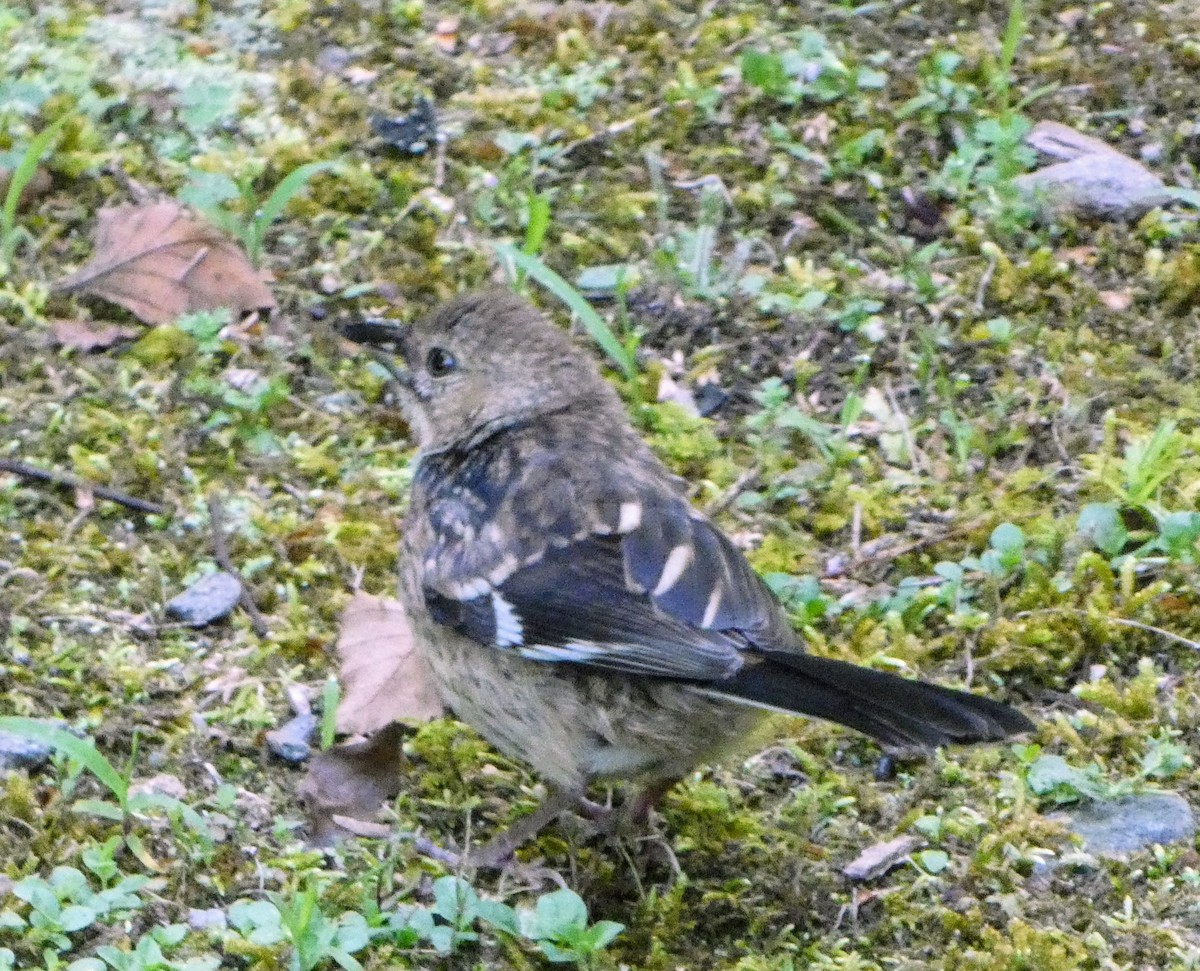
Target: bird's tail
[[899, 712]]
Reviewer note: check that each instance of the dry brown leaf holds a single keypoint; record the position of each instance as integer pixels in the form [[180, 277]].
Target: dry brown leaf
[[383, 675], [351, 781], [158, 262], [83, 336]]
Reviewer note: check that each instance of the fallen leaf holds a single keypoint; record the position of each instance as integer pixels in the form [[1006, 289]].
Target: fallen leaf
[[1116, 300], [82, 336], [383, 675], [351, 781], [1079, 255], [158, 263], [878, 859]]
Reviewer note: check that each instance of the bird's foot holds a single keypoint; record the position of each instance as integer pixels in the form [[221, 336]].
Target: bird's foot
[[498, 852]]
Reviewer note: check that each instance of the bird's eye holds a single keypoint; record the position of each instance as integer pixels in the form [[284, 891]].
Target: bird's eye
[[440, 362]]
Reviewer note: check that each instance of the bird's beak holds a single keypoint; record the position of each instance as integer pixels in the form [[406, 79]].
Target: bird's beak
[[389, 342]]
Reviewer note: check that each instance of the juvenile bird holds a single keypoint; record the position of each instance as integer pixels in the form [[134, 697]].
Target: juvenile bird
[[574, 607]]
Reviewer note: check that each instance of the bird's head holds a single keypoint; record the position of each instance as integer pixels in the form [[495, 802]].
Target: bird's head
[[481, 362]]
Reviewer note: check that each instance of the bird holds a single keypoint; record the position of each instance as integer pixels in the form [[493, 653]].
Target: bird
[[572, 604]]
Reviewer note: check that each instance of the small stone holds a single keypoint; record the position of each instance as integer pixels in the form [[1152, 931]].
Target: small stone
[[710, 398], [334, 59], [160, 785], [19, 752], [1094, 180], [1105, 186], [291, 740], [1124, 826], [340, 403], [212, 919], [209, 598], [1152, 153]]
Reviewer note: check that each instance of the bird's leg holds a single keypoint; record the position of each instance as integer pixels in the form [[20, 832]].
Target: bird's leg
[[632, 817], [500, 848], [644, 802]]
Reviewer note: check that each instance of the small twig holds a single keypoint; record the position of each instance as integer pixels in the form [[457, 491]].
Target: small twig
[[216, 521], [729, 496], [1119, 621], [439, 161], [137, 192], [26, 471], [916, 457], [870, 554], [985, 283], [430, 850]]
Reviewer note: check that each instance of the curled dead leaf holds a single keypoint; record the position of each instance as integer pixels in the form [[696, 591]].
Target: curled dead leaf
[[83, 336], [384, 676], [158, 262], [351, 782]]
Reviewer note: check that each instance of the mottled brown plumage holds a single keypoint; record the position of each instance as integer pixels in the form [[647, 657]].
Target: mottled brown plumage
[[575, 609]]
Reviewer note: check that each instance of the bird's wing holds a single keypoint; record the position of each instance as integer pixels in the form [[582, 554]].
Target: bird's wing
[[649, 587]]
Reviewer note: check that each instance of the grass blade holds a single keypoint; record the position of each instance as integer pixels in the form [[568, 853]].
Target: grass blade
[[539, 222], [20, 178], [82, 750], [277, 201], [593, 323]]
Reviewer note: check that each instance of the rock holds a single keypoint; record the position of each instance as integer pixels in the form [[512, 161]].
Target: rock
[[291, 740], [160, 785], [209, 598], [212, 919], [19, 752], [1109, 186], [710, 398], [1124, 826], [1093, 180]]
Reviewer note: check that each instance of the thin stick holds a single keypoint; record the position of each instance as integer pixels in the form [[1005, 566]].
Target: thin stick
[[216, 520], [985, 281], [730, 495], [26, 471], [1119, 621], [916, 457]]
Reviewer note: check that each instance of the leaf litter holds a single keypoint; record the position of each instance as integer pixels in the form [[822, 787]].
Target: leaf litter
[[159, 263], [384, 676]]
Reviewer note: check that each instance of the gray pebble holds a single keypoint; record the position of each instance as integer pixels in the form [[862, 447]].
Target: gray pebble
[[1101, 186], [209, 598], [19, 752], [292, 740], [207, 920], [1124, 826]]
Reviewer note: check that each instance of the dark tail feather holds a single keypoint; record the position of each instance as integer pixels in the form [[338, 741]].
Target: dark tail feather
[[899, 712]]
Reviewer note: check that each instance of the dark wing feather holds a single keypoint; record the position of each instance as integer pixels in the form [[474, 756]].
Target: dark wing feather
[[573, 605]]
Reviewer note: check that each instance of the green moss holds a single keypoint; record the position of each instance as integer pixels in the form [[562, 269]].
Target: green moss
[[686, 443]]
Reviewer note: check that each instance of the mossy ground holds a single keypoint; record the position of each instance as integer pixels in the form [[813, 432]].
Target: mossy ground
[[1000, 386]]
